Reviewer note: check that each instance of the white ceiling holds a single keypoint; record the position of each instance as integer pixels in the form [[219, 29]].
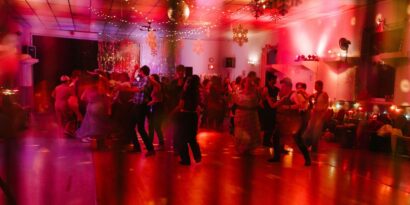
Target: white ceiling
[[125, 17]]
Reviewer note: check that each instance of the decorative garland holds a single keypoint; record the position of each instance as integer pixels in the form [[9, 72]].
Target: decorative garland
[[117, 56], [152, 42]]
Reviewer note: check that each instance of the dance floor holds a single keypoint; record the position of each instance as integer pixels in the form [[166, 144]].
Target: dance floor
[[41, 168]]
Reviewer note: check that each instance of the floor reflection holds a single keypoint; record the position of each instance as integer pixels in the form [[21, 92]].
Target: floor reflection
[[41, 168]]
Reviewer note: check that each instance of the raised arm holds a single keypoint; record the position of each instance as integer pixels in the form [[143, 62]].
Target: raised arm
[[132, 77]]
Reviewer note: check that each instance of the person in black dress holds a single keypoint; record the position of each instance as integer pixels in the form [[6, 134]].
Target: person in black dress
[[173, 95], [269, 93], [187, 121]]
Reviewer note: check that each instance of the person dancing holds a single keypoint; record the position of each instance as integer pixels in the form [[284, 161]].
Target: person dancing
[[139, 110], [96, 123], [187, 121], [269, 95], [289, 120], [320, 101], [65, 115], [247, 128], [156, 111]]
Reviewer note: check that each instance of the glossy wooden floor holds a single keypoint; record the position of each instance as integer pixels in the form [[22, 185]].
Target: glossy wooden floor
[[41, 168]]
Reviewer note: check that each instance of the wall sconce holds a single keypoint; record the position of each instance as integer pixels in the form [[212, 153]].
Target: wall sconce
[[211, 66], [252, 60]]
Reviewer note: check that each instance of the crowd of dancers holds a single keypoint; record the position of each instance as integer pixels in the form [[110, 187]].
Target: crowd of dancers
[[97, 105]]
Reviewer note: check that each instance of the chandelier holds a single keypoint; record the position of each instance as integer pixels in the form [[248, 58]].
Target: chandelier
[[258, 7], [240, 34], [275, 8]]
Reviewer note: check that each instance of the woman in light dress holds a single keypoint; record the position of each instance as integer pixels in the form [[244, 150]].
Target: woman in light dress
[[247, 128], [96, 123]]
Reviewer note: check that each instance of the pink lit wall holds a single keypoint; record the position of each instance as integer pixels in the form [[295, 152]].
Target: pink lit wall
[[250, 51], [296, 72], [339, 83], [219, 50], [199, 54], [320, 36], [156, 62]]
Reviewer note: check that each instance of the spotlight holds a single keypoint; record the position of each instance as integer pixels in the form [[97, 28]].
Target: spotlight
[[344, 45]]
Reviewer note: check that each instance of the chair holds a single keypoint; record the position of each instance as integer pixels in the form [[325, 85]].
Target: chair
[[400, 142]]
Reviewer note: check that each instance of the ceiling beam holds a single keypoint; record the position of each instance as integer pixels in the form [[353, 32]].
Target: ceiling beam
[[106, 21], [66, 34], [121, 23], [51, 9], [28, 4], [71, 13], [89, 16]]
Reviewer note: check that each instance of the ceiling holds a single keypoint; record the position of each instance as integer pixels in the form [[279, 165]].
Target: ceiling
[[114, 18]]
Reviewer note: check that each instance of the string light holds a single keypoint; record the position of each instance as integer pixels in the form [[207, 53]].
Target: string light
[[212, 9], [177, 35], [101, 14]]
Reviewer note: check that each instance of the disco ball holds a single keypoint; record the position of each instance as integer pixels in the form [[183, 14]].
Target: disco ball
[[180, 13]]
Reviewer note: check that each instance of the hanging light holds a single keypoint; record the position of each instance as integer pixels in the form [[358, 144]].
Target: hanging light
[[258, 7], [240, 34], [277, 8]]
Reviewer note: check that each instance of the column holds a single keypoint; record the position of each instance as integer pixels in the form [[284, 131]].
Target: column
[[26, 81]]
